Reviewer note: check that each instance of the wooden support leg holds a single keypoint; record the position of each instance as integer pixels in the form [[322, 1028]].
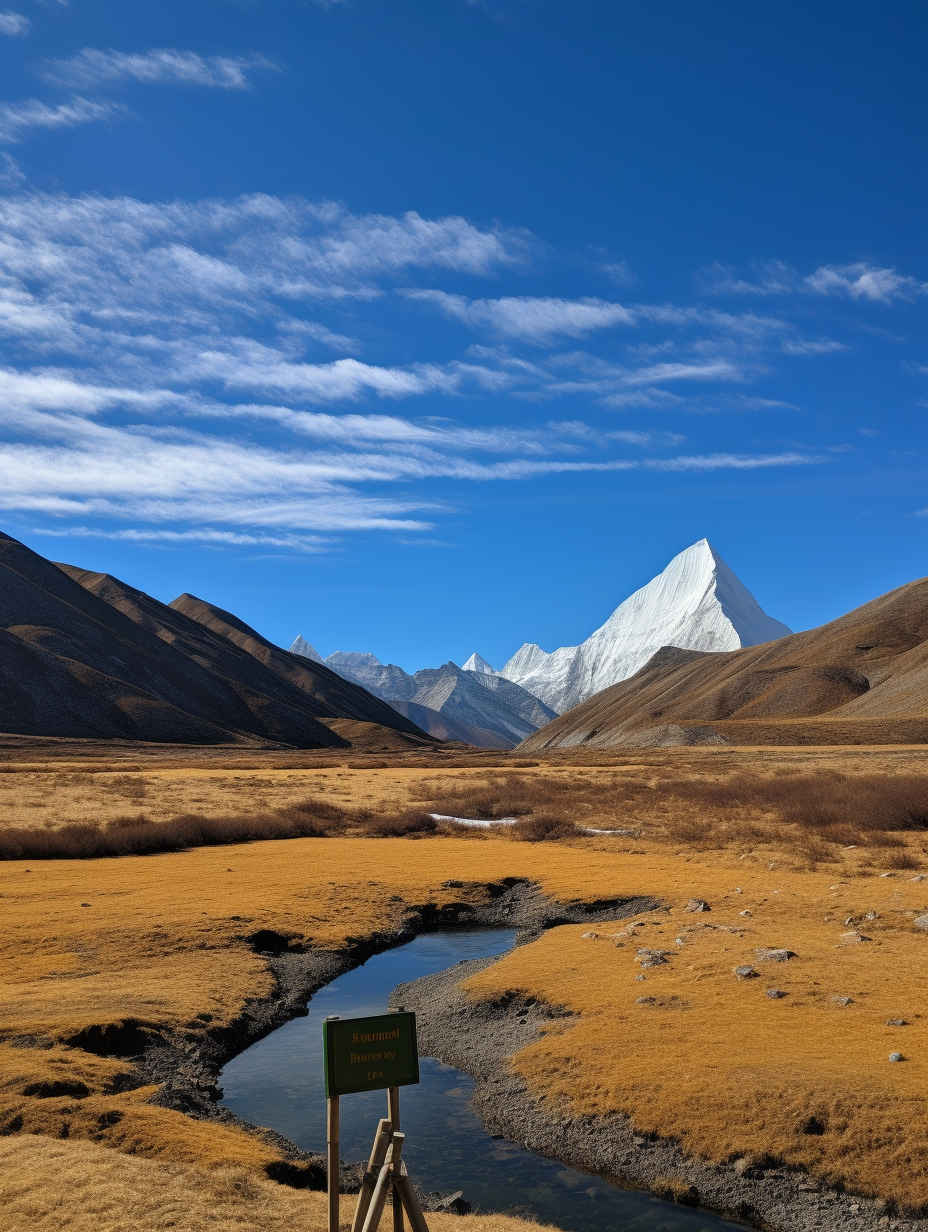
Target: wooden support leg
[[379, 1196], [393, 1111], [375, 1163], [403, 1185], [332, 1177]]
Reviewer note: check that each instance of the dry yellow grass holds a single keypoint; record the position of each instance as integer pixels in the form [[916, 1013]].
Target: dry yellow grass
[[96, 1190], [162, 942], [715, 1062], [54, 793]]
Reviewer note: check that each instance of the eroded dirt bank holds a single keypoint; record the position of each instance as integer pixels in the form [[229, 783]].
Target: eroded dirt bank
[[479, 1037]]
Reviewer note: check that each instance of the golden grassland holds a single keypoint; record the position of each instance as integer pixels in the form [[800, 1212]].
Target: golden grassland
[[101, 789], [161, 942], [96, 1190]]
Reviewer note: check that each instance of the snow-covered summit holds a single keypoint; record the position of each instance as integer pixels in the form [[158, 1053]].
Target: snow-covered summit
[[697, 603], [477, 663], [306, 649]]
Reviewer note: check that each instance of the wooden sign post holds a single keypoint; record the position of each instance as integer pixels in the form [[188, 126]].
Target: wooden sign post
[[371, 1054]]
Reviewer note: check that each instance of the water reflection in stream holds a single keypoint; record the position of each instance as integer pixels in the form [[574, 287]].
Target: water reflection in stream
[[277, 1082]]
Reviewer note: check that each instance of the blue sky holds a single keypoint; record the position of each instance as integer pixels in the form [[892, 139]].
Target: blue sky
[[426, 327]]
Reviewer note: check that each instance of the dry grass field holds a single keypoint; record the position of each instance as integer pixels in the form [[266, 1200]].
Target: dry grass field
[[96, 1190], [159, 941]]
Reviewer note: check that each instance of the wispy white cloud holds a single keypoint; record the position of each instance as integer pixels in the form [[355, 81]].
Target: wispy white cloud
[[537, 319], [201, 371], [204, 535], [15, 25], [92, 68], [860, 281], [16, 119], [863, 281]]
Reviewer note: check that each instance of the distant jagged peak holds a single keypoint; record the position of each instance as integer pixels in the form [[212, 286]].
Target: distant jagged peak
[[306, 649], [353, 658], [477, 663]]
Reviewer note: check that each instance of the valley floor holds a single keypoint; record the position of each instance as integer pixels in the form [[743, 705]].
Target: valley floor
[[163, 947]]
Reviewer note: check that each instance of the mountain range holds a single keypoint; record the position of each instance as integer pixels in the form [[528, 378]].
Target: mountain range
[[480, 705]]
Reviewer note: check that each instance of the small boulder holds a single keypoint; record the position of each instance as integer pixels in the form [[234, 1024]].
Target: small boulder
[[843, 1000], [644, 1000], [652, 958], [746, 912], [896, 1056], [853, 938], [775, 994], [872, 915], [921, 923], [697, 904], [765, 955], [896, 1022], [745, 973]]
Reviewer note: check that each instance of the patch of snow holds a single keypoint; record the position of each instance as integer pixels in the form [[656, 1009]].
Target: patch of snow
[[474, 821]]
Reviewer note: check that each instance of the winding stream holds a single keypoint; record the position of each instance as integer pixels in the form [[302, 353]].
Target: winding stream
[[277, 1082]]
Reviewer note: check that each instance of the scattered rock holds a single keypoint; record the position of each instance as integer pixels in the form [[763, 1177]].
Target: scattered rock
[[697, 904], [843, 1000], [921, 923], [764, 955], [85, 904], [917, 877], [652, 958], [896, 1056], [746, 912], [640, 979], [644, 1000], [775, 993], [853, 938], [872, 915], [849, 922], [745, 973], [887, 874], [590, 937], [450, 1204], [742, 1167], [896, 1022]]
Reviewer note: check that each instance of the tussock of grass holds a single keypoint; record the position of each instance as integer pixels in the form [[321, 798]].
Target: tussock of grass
[[96, 1190]]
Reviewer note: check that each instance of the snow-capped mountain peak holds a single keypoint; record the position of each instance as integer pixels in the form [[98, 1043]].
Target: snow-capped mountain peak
[[306, 649], [477, 663], [697, 603]]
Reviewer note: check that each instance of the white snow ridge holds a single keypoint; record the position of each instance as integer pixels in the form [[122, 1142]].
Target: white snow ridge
[[697, 603]]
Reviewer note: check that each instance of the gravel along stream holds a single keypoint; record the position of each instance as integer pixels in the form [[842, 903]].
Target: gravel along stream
[[278, 1083]]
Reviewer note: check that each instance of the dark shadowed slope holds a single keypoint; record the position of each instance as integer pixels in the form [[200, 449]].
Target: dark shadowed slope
[[334, 696], [72, 665], [861, 678], [260, 692]]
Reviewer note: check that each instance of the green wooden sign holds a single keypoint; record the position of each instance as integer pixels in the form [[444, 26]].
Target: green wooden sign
[[370, 1054]]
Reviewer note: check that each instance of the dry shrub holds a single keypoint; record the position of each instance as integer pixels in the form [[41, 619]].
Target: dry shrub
[[541, 828], [830, 807], [138, 836], [400, 825], [903, 860]]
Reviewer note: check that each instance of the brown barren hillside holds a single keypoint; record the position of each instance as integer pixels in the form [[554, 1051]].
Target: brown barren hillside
[[73, 665], [337, 697], [862, 679]]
